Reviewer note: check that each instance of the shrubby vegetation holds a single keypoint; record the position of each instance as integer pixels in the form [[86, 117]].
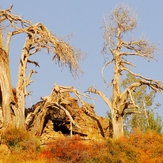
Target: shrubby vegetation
[[138, 147], [22, 145]]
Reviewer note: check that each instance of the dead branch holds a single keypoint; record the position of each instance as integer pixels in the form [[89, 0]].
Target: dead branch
[[33, 62], [124, 61], [102, 95], [62, 89], [9, 35], [142, 48], [41, 38], [132, 100], [124, 96], [132, 112], [122, 18], [38, 38], [103, 77], [121, 22], [66, 112], [154, 84], [29, 81], [108, 37]]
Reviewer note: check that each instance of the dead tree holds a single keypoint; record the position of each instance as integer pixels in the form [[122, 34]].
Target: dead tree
[[38, 37], [122, 21]]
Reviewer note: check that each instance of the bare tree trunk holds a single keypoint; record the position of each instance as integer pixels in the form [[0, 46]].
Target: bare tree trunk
[[5, 84], [21, 86], [117, 118], [117, 122]]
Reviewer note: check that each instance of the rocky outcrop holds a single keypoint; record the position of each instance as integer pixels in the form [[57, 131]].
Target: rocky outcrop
[[58, 125], [60, 115], [49, 134]]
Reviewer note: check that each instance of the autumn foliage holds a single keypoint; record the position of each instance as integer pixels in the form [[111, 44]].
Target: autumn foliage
[[138, 147], [22, 145], [67, 150], [141, 148]]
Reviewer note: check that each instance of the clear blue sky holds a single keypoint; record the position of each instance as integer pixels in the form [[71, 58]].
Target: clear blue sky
[[84, 19]]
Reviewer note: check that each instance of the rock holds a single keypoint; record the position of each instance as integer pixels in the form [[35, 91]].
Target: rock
[[92, 126], [54, 123], [49, 135]]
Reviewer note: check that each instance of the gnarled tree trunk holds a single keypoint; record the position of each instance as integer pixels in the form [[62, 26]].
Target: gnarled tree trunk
[[21, 86], [5, 84], [38, 38]]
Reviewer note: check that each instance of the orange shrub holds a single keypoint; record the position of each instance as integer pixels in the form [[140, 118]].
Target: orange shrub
[[67, 150], [138, 147], [142, 147], [75, 150]]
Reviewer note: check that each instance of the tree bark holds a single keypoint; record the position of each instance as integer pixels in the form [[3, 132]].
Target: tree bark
[[21, 85], [5, 84], [117, 122], [117, 119]]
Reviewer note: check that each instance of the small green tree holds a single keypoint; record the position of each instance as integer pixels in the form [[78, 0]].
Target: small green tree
[[144, 118]]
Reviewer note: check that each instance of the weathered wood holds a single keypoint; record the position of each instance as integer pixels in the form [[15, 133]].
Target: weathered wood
[[5, 84], [38, 38], [123, 21]]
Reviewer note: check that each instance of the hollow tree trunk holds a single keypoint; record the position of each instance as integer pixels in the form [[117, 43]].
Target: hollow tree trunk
[[5, 84]]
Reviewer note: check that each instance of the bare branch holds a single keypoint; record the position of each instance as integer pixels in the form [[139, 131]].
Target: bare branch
[[123, 61], [41, 37], [101, 94], [122, 18], [62, 89], [33, 62], [132, 100], [35, 51], [141, 48], [104, 69], [108, 37], [29, 81], [9, 35], [154, 84], [129, 112], [67, 113]]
